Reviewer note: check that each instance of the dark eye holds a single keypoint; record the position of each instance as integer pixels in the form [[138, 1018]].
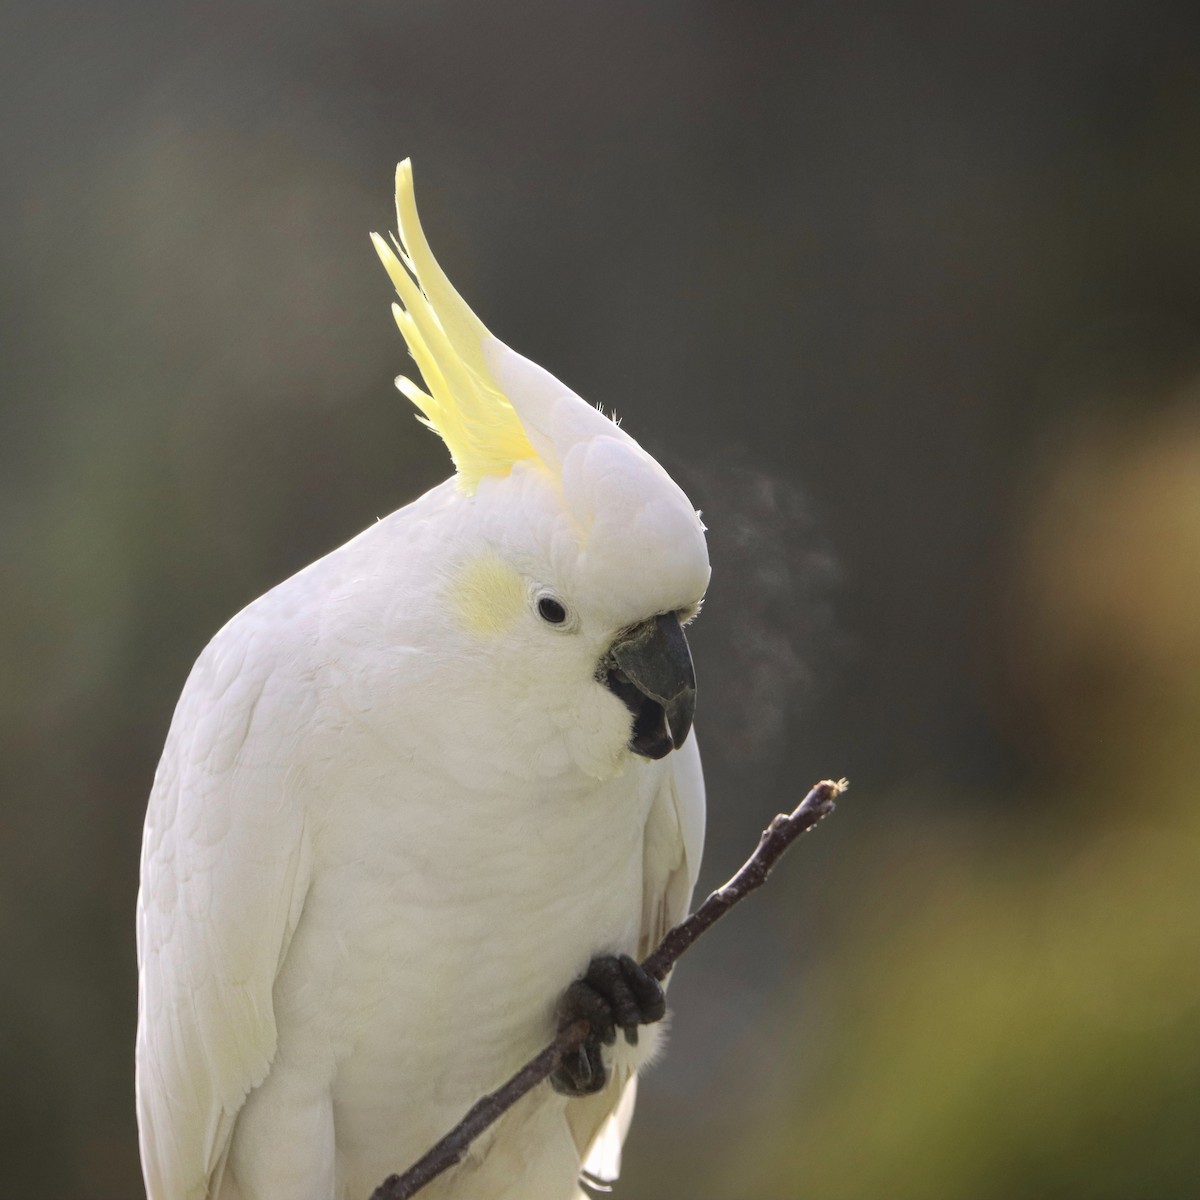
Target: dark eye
[[550, 610]]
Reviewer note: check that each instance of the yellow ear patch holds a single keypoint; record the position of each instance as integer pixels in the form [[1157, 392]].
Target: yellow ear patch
[[490, 595]]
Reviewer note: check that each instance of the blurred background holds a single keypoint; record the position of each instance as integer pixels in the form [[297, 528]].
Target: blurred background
[[907, 296]]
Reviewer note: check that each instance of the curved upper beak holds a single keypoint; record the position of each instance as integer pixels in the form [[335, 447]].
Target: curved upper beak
[[650, 668]]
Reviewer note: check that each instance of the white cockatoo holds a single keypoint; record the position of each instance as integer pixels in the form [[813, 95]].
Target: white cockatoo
[[422, 802]]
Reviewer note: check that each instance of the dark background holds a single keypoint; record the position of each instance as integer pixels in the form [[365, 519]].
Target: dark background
[[907, 296]]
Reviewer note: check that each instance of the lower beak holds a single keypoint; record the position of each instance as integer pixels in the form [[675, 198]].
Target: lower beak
[[650, 669]]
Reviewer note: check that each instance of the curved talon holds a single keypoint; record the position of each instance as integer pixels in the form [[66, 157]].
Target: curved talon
[[614, 993]]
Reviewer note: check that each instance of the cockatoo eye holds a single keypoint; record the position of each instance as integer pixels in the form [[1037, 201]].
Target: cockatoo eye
[[551, 610]]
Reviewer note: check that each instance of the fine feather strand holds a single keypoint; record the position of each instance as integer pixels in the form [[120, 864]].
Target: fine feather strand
[[462, 402]]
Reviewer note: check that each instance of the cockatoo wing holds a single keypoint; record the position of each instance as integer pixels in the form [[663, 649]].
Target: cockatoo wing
[[224, 874], [672, 849]]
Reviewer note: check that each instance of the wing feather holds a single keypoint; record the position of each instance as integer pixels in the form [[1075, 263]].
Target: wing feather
[[224, 872], [673, 846]]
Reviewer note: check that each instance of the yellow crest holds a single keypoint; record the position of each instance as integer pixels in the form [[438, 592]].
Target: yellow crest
[[463, 404]]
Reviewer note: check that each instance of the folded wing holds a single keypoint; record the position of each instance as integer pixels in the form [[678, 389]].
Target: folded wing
[[224, 873], [672, 849]]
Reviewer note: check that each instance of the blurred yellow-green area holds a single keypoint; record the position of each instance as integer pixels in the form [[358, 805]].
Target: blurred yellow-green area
[[906, 296]]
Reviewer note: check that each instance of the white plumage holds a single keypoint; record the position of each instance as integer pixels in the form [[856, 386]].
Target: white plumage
[[398, 812]]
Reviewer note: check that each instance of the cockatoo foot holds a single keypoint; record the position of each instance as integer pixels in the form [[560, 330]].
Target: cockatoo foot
[[615, 993]]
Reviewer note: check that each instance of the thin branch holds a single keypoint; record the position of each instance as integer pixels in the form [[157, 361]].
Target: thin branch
[[775, 839]]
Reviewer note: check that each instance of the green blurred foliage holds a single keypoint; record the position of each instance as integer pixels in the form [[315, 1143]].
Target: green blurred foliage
[[1025, 1020]]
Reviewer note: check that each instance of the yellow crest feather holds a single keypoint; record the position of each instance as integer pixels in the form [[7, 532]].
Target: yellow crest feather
[[463, 405]]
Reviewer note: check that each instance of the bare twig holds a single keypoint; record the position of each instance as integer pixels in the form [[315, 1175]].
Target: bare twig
[[776, 838]]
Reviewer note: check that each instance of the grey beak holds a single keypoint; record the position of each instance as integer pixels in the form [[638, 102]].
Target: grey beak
[[650, 669]]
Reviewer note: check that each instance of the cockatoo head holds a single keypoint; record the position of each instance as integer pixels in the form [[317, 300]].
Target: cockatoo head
[[578, 560]]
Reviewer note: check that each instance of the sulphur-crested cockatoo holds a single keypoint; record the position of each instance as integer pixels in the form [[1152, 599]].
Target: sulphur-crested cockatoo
[[424, 800]]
